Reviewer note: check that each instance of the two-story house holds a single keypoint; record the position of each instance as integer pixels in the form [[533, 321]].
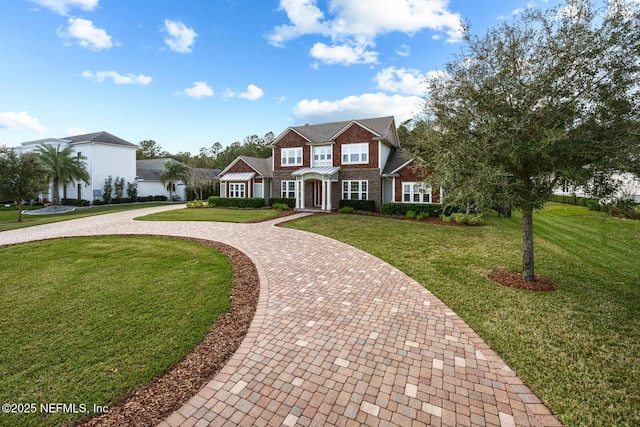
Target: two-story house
[[105, 155], [319, 165]]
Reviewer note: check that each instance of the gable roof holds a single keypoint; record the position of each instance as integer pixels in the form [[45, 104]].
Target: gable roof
[[327, 132], [103, 137], [396, 161], [260, 165]]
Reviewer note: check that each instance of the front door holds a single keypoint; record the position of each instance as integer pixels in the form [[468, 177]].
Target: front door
[[317, 193]]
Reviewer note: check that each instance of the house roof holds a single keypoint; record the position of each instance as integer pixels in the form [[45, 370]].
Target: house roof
[[150, 169], [327, 132], [260, 165], [103, 137], [396, 161], [238, 176], [325, 170]]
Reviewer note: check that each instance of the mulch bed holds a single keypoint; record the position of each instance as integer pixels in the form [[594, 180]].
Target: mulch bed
[[152, 404], [512, 279]]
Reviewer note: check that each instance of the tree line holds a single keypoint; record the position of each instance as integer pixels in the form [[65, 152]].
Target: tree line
[[214, 157]]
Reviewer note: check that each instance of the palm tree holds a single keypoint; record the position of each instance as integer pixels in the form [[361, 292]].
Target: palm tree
[[63, 166], [173, 171]]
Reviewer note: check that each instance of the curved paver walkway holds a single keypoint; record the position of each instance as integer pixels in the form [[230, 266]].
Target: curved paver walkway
[[339, 338]]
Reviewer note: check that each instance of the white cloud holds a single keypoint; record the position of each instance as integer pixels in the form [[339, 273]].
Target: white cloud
[[352, 107], [356, 24], [199, 90], [86, 34], [253, 93], [61, 7], [305, 17], [403, 50], [119, 79], [180, 38], [22, 120], [407, 81], [343, 54]]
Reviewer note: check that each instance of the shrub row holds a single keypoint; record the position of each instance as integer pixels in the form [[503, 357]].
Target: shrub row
[[254, 202], [75, 202], [401, 209], [291, 202], [574, 200], [97, 202], [358, 205]]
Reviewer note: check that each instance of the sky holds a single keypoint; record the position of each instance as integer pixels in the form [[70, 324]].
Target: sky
[[190, 73]]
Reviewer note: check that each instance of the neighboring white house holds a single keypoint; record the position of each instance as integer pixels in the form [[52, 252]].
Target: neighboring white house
[[149, 183], [629, 188], [106, 155]]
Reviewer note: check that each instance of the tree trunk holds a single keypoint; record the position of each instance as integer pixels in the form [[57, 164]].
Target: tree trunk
[[20, 207], [527, 244], [56, 192]]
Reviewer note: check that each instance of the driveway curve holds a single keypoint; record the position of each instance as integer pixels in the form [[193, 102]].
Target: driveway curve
[[339, 338]]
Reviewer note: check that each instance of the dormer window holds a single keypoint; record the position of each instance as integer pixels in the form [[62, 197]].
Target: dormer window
[[291, 156], [355, 154], [322, 155]]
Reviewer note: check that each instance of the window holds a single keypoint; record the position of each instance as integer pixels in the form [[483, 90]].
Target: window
[[355, 190], [355, 153], [288, 189], [322, 156], [416, 192], [291, 156], [236, 190]]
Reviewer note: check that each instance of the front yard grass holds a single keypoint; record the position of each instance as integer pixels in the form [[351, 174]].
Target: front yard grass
[[577, 348], [9, 216], [87, 320], [212, 214]]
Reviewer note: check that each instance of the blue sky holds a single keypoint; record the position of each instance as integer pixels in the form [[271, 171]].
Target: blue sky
[[191, 73]]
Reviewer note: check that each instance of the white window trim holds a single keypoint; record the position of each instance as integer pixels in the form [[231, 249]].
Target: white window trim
[[237, 190], [419, 188], [361, 149], [290, 191], [284, 156], [318, 150], [363, 194]]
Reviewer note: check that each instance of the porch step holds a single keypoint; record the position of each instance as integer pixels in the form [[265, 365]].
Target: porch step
[[311, 210]]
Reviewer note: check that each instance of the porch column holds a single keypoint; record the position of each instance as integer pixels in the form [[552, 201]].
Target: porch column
[[324, 194], [297, 193], [329, 194], [302, 194]]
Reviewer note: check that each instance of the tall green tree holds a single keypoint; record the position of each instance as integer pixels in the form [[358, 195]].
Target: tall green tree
[[22, 176], [150, 149], [172, 173], [552, 95], [64, 166]]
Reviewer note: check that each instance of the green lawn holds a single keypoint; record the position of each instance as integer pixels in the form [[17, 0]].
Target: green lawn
[[578, 348], [9, 216], [87, 320], [212, 214]]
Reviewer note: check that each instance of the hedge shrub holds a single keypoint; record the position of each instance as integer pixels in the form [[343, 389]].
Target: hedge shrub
[[401, 209], [74, 202], [255, 202], [291, 202], [358, 205]]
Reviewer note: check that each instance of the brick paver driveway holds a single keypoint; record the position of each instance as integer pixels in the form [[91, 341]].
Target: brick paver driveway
[[339, 338]]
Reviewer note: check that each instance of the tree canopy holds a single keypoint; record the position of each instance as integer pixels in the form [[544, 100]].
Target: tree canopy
[[214, 157], [551, 96], [22, 177], [173, 171], [63, 165]]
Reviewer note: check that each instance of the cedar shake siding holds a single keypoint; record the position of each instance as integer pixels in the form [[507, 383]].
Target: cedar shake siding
[[411, 173]]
